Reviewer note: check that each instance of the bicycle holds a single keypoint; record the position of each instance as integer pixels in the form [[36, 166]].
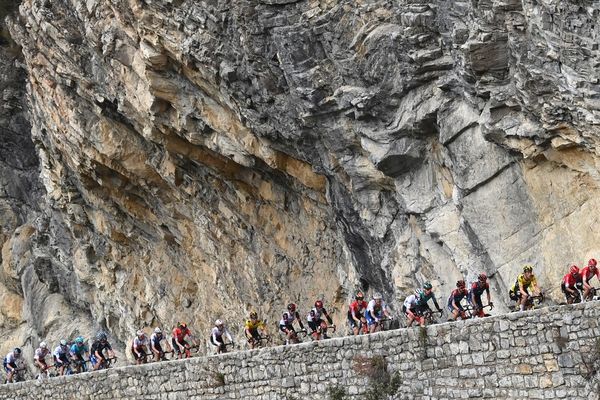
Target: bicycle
[[321, 332], [428, 316], [80, 366], [592, 294], [161, 357], [295, 338], [45, 374], [476, 312], [260, 341], [222, 349], [533, 302], [106, 363]]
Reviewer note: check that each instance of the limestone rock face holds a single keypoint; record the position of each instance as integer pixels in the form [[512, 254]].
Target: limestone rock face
[[201, 159]]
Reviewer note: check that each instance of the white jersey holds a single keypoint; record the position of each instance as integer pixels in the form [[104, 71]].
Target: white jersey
[[288, 318], [137, 342], [410, 302], [61, 351], [40, 354], [375, 310], [314, 314], [217, 334], [155, 339]]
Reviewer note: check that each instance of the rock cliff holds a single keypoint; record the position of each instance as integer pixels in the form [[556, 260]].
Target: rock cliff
[[199, 159]]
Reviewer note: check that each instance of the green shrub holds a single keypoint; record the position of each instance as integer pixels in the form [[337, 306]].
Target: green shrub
[[336, 393]]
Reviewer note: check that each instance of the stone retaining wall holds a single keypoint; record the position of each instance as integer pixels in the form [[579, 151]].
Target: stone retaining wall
[[552, 353]]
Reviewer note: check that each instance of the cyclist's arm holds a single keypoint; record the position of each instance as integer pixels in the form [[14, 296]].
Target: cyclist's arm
[[329, 320], [435, 303], [299, 320], [454, 305]]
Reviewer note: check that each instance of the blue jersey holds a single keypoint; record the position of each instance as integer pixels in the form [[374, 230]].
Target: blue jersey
[[78, 350]]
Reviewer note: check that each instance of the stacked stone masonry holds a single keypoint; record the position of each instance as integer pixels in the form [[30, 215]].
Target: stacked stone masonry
[[551, 353]]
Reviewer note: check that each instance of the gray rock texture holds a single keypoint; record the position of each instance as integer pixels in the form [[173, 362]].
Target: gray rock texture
[[549, 353], [200, 159]]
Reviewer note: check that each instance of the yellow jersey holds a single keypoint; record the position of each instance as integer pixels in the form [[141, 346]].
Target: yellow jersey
[[253, 325], [521, 280]]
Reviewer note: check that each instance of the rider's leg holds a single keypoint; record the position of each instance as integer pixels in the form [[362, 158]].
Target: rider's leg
[[524, 297]]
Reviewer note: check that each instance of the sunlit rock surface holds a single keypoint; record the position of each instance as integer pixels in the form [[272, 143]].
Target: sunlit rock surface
[[200, 159]]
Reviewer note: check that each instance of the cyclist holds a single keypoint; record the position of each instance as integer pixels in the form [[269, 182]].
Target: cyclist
[[454, 301], [77, 352], [155, 339], [572, 285], [98, 358], [411, 307], [474, 297], [587, 274], [356, 317], [180, 345], [376, 310], [139, 347], [519, 292], [61, 356], [424, 295], [286, 324], [10, 364], [316, 323], [216, 336], [252, 327], [39, 360]]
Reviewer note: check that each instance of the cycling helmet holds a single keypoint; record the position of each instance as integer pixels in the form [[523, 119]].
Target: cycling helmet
[[218, 323], [574, 270], [460, 284], [63, 342], [182, 325], [43, 345], [377, 296], [101, 336], [528, 268], [420, 294], [79, 340], [253, 315], [592, 262], [427, 286], [319, 304], [359, 296], [17, 351], [157, 330], [482, 277], [140, 333], [291, 307]]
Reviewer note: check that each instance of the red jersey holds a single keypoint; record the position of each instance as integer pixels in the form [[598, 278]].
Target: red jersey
[[477, 288], [570, 281], [357, 307], [180, 334], [587, 274]]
